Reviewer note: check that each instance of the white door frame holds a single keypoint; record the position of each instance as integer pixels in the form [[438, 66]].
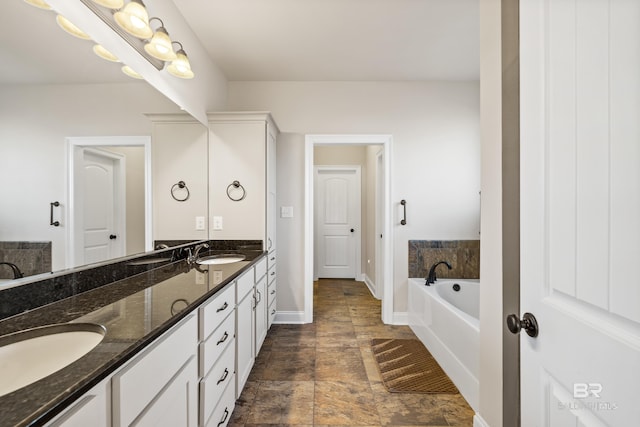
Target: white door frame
[[379, 222], [387, 288], [72, 144], [358, 229]]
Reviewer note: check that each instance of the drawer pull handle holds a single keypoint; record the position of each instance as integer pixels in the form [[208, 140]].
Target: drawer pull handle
[[224, 376], [273, 311], [226, 414], [224, 307], [273, 291], [224, 338], [273, 259], [273, 273]]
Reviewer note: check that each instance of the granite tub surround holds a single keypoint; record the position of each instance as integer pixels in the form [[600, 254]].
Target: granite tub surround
[[135, 310], [464, 256], [30, 257]]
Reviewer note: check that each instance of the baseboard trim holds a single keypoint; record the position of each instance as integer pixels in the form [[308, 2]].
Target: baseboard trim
[[400, 318], [289, 317], [478, 421], [367, 281]]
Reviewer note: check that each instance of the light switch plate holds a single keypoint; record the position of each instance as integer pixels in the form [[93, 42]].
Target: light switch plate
[[217, 223], [200, 223], [286, 211]]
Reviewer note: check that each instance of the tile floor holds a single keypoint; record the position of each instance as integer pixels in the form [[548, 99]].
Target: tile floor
[[324, 374]]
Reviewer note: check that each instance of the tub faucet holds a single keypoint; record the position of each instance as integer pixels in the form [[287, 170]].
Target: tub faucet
[[17, 274], [192, 257], [431, 277]]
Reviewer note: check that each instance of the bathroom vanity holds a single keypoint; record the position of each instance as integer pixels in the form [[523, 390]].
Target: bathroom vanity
[[174, 334]]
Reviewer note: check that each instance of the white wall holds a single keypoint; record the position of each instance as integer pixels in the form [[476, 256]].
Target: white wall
[[436, 150], [34, 121], [134, 177], [179, 153], [289, 231]]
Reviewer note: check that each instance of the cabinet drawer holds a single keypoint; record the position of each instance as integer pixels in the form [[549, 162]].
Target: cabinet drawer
[[271, 259], [261, 269], [272, 274], [213, 385], [272, 312], [213, 312], [142, 379], [214, 346], [245, 284], [271, 293], [222, 414]]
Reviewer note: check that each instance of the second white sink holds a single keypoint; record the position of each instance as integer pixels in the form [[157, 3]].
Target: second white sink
[[221, 259], [28, 356]]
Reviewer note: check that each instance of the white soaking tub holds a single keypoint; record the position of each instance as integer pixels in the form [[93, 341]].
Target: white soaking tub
[[447, 322]]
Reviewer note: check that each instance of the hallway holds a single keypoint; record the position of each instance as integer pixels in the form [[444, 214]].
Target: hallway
[[324, 374]]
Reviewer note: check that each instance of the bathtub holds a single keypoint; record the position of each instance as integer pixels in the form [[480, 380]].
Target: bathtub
[[447, 323]]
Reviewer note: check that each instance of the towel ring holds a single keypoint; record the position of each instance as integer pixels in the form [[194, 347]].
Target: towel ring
[[236, 184], [177, 186]]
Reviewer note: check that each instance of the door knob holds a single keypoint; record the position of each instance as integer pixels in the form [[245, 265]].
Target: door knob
[[528, 323], [113, 236]]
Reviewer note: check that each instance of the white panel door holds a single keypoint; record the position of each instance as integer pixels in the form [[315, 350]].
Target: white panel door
[[580, 212], [98, 204], [337, 221]]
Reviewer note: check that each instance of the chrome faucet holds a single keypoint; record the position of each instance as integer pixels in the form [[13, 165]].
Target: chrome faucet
[[193, 256], [431, 277], [17, 274]]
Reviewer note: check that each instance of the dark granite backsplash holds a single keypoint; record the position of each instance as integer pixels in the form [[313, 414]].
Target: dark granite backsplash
[[67, 283], [30, 257], [463, 255]]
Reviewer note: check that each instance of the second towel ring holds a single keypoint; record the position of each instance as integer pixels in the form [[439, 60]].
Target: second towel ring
[[236, 184], [179, 185]]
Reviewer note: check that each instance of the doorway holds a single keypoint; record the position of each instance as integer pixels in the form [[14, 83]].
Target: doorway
[[384, 281], [97, 167]]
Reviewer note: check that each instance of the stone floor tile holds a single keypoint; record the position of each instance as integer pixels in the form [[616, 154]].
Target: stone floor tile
[[283, 402], [344, 403]]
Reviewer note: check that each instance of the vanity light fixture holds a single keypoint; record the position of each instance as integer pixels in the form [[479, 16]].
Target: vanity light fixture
[[39, 3], [134, 19], [160, 45], [131, 72], [68, 26], [111, 4], [180, 67], [103, 53]]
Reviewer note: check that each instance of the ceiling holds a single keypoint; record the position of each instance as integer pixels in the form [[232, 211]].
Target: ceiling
[[277, 40]]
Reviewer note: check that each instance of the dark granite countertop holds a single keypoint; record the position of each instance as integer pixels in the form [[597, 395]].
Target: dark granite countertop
[[135, 311]]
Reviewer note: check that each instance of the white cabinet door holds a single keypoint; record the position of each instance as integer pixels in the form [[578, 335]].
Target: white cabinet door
[[177, 404], [137, 385], [245, 332], [93, 409], [261, 313]]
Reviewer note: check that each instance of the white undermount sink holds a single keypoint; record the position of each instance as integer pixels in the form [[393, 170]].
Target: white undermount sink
[[30, 355], [221, 259]]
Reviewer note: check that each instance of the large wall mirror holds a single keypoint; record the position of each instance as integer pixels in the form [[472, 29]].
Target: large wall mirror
[[61, 104]]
